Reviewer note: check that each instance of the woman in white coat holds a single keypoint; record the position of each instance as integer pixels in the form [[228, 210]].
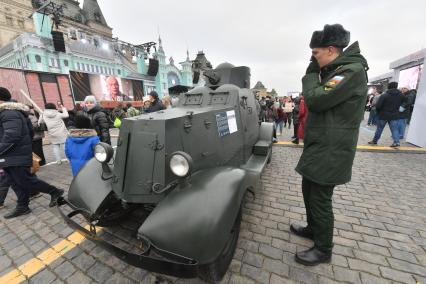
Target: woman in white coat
[[57, 133]]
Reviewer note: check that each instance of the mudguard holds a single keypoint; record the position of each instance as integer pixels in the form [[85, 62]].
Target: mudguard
[[88, 189], [195, 220]]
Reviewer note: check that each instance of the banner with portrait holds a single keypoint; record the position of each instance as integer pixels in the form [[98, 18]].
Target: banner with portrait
[[105, 88]]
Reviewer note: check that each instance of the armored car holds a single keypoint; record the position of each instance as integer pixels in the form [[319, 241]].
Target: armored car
[[192, 165]]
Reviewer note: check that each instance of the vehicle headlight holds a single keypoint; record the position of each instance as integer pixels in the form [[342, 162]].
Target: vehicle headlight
[[181, 164], [103, 152]]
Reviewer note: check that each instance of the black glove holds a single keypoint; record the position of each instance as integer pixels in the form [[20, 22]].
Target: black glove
[[313, 66]]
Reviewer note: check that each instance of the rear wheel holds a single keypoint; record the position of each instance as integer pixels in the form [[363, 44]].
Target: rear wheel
[[215, 271]]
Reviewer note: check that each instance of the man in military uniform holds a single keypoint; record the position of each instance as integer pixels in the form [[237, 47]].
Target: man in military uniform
[[335, 91]]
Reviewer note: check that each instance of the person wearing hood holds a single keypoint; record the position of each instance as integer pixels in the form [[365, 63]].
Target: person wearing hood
[[388, 109], [335, 91], [56, 130], [98, 118], [156, 103], [16, 134], [80, 144]]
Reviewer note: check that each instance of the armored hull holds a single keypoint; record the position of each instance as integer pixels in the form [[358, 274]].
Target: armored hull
[[215, 136]]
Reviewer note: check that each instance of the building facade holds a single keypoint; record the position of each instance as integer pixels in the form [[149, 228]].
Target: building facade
[[90, 47], [14, 19], [262, 92], [169, 75]]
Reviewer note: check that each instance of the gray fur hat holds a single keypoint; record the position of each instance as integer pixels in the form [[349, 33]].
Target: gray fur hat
[[331, 35]]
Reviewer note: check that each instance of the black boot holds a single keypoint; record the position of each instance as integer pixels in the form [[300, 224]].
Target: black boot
[[18, 211], [54, 196], [295, 141], [313, 256], [301, 231]]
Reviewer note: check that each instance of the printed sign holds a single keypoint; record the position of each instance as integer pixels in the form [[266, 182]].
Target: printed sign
[[226, 123], [232, 121]]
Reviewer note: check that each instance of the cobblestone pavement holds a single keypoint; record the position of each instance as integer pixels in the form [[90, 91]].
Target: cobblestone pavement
[[380, 234]]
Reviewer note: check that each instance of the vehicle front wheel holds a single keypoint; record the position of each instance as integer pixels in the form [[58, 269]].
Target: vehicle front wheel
[[215, 271]]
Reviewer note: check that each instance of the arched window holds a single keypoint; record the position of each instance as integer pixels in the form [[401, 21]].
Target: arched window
[[38, 58], [173, 79]]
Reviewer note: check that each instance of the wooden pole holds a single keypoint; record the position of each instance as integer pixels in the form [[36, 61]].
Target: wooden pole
[[36, 107]]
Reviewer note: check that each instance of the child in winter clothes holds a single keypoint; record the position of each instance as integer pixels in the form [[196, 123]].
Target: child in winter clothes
[[80, 144]]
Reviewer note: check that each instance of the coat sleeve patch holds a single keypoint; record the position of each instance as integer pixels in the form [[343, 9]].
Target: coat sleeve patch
[[333, 82]]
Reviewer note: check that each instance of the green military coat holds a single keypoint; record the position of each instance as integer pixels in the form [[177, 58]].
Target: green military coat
[[335, 99]]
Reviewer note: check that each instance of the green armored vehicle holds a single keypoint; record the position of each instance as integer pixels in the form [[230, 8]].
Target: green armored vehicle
[[192, 165]]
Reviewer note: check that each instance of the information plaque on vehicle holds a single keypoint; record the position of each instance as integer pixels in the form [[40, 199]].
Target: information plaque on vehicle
[[226, 123]]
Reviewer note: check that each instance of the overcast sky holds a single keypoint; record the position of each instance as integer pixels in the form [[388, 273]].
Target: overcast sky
[[271, 36]]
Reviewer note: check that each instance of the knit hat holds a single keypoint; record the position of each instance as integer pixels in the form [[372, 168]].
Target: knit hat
[[331, 35], [90, 99], [5, 94]]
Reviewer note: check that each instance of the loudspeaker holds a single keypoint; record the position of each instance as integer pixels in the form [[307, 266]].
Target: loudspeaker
[[58, 41], [153, 67], [195, 77]]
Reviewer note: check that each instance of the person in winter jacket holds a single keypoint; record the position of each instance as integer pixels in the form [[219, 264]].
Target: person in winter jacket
[[372, 117], [146, 104], [412, 98], [80, 144], [263, 110], [303, 115], [335, 91], [16, 134], [167, 102], [288, 109], [38, 136], [156, 103], [132, 111], [56, 130], [279, 117], [388, 108], [404, 111], [98, 119], [295, 115]]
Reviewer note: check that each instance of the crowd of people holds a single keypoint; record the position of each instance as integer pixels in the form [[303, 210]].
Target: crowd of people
[[282, 111], [394, 107], [72, 135]]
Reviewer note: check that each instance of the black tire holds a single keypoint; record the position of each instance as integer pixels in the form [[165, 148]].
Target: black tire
[[215, 271]]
